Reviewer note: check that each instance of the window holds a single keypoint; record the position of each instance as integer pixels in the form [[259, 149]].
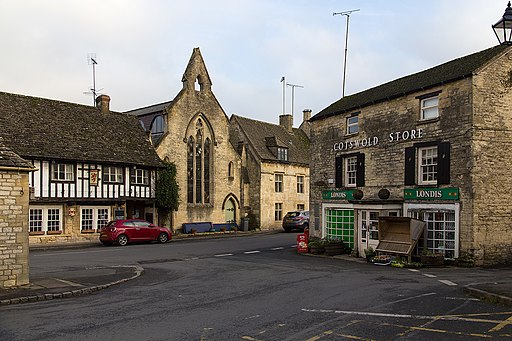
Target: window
[[278, 212], [139, 176], [441, 232], [93, 218], [230, 170], [113, 174], [199, 162], [353, 124], [278, 182], [157, 128], [350, 170], [427, 164], [300, 184], [300, 207], [44, 219], [429, 108], [63, 172], [282, 154], [340, 225]]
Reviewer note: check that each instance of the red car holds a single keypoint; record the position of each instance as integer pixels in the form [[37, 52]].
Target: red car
[[127, 231]]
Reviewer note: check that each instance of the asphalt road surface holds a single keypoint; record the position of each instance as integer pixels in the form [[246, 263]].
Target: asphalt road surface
[[256, 288]]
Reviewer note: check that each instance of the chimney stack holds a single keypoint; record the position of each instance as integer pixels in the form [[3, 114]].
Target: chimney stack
[[286, 121], [103, 103], [306, 114]]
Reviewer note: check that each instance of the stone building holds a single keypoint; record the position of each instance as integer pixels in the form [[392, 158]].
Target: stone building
[[435, 145], [275, 166], [192, 131], [226, 167], [91, 165], [14, 189]]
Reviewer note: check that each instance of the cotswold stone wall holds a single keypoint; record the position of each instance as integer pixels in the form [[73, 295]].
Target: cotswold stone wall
[[491, 163], [14, 250]]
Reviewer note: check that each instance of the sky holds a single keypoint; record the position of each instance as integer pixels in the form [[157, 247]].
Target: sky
[[142, 48]]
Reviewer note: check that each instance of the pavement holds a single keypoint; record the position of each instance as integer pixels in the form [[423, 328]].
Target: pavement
[[83, 281]]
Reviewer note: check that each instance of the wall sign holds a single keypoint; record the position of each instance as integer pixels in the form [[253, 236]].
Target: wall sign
[[396, 136], [431, 194], [93, 177], [338, 194]]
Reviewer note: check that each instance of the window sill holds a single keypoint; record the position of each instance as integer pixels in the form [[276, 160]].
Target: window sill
[[36, 233], [88, 231], [53, 232], [347, 135], [428, 120]]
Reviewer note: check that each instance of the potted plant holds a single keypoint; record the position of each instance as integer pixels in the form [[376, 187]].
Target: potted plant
[[316, 246], [430, 258], [334, 247], [369, 253]]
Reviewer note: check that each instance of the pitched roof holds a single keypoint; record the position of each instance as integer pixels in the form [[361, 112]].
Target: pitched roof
[[10, 159], [259, 133], [48, 129], [448, 72]]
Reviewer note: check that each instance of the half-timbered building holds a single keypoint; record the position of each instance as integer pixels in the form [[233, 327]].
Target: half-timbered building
[[91, 165]]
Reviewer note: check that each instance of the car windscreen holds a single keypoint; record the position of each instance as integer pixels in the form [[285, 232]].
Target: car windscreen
[[292, 214]]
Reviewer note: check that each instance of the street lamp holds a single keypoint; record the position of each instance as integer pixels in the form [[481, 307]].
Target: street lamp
[[503, 28]]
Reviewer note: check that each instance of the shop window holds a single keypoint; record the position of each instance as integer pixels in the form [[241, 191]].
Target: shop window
[[427, 164], [340, 225], [350, 170], [63, 172], [278, 182], [278, 211], [300, 184], [353, 124], [441, 234], [45, 219]]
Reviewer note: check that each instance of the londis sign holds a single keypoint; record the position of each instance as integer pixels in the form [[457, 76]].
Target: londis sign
[[338, 195], [431, 194]]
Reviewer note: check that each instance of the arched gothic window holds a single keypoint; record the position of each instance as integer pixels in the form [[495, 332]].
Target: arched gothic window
[[199, 163]]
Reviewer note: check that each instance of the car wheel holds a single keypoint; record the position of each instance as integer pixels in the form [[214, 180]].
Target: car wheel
[[122, 240], [163, 238]]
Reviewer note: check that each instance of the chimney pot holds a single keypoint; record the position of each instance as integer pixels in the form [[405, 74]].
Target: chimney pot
[[306, 114]]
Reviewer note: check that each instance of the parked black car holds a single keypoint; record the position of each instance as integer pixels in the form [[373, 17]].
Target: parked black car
[[296, 220]]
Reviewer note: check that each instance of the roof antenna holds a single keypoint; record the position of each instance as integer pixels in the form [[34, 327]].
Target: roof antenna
[[91, 60]]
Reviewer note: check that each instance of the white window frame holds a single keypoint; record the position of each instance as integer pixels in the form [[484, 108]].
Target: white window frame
[[63, 172], [140, 177], [352, 125], [113, 174], [95, 218], [278, 182], [46, 218], [426, 165], [429, 108], [350, 171], [300, 183]]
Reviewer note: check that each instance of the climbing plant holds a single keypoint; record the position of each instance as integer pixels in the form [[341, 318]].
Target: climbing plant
[[167, 190]]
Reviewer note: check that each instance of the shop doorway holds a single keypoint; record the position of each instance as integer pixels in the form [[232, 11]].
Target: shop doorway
[[368, 227]]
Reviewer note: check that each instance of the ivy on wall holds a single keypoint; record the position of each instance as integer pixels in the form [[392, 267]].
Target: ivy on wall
[[167, 189]]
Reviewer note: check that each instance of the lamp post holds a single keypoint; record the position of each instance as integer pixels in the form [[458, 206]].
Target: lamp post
[[347, 14], [503, 28]]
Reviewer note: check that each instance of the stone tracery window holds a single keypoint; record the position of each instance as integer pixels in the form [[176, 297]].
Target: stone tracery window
[[199, 163]]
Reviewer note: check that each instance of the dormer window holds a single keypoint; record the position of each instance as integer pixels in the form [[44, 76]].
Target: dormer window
[[282, 154]]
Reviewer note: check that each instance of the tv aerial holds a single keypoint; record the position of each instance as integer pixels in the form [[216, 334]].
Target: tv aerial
[[92, 60]]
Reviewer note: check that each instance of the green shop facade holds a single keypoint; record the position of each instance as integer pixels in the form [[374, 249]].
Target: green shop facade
[[433, 146]]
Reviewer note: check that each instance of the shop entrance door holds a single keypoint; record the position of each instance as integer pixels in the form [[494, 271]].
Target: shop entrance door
[[368, 230]]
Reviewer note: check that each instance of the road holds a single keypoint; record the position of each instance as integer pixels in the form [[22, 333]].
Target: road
[[256, 288]]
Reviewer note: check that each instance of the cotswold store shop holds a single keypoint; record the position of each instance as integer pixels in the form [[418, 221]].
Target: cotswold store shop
[[353, 220], [356, 221], [439, 208]]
